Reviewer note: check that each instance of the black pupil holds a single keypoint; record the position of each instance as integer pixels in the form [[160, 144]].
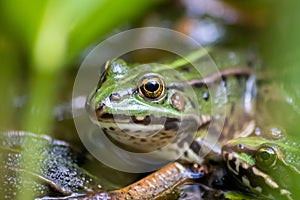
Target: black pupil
[[265, 155], [205, 96], [152, 86]]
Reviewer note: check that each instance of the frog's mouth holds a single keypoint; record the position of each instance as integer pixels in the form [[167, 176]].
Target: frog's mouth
[[99, 114], [146, 133], [145, 126]]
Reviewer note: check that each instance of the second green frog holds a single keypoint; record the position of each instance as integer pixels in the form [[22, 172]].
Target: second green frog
[[270, 167]]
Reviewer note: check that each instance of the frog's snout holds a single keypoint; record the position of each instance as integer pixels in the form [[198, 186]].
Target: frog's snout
[[92, 110]]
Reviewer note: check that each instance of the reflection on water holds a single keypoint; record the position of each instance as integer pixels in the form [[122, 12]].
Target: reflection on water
[[190, 192]]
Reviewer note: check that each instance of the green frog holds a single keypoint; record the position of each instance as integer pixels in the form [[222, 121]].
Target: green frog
[[168, 105], [267, 166]]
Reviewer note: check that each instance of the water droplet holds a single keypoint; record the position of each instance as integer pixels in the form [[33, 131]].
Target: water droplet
[[257, 131], [277, 132]]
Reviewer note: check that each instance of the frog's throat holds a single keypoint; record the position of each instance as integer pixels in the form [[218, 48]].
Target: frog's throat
[[148, 133]]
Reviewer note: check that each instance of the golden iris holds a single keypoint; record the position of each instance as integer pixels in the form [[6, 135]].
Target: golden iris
[[151, 87], [266, 157]]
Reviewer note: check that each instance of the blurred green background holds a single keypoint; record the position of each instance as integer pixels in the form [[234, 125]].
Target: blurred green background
[[39, 40]]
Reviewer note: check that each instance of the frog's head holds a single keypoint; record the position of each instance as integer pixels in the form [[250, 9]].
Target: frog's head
[[142, 108], [268, 167]]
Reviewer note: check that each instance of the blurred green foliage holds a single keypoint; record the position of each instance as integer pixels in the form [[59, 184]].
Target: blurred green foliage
[[50, 34], [280, 51], [279, 42]]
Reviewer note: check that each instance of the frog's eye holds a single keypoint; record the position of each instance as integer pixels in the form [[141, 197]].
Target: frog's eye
[[151, 87], [266, 157]]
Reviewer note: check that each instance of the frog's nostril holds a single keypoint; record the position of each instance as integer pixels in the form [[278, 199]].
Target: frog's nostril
[[240, 146], [100, 106], [91, 110], [115, 97]]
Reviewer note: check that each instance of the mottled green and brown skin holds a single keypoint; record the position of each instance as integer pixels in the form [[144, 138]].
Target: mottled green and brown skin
[[145, 107], [138, 122], [270, 167]]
